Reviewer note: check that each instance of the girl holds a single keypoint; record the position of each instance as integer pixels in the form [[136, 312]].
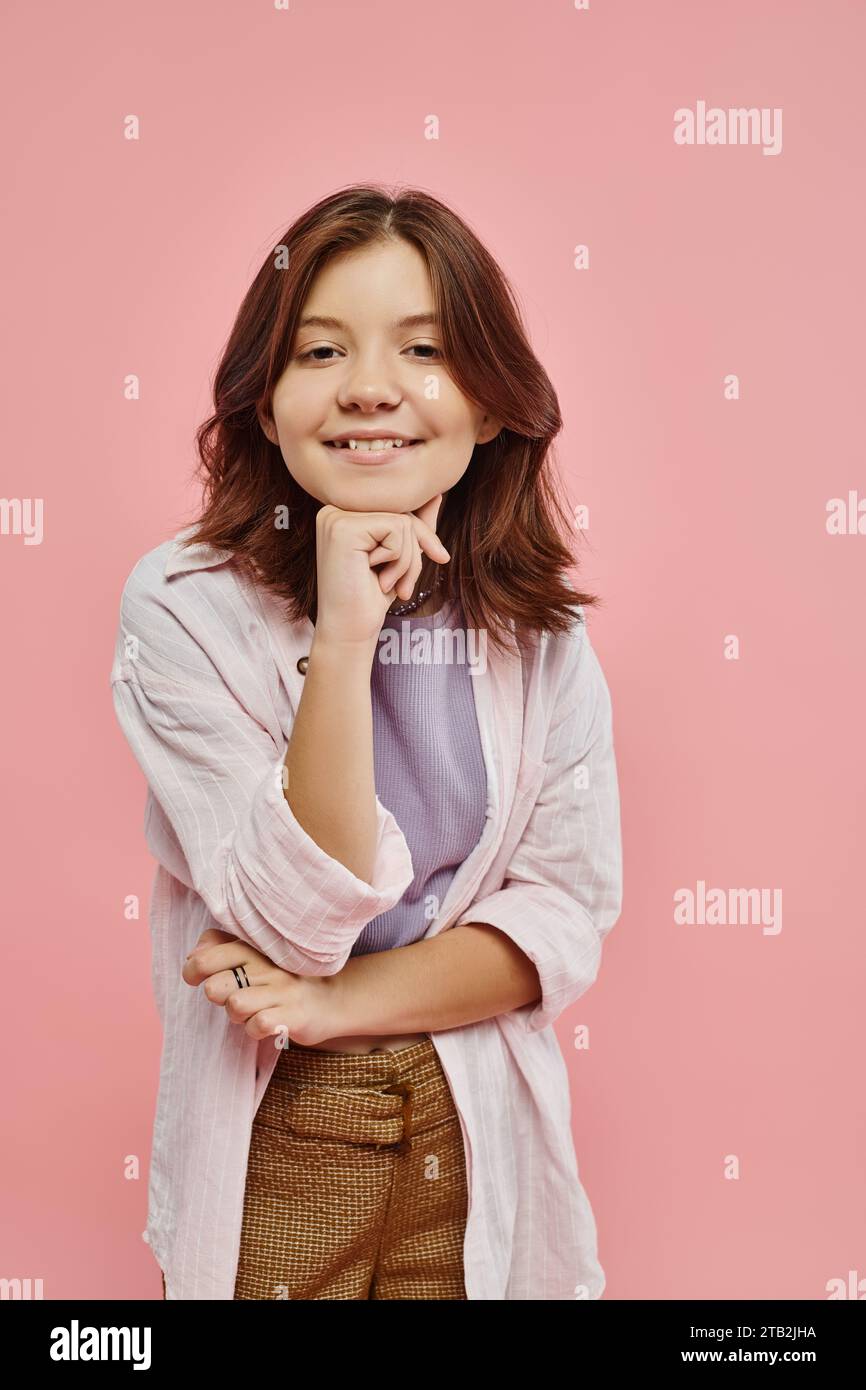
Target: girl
[[382, 791]]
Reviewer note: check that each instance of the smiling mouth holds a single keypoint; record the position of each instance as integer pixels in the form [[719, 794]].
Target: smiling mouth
[[372, 446]]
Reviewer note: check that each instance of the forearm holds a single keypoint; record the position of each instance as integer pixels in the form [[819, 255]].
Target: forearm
[[462, 975], [329, 779]]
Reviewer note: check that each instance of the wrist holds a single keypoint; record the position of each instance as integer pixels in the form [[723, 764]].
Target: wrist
[[325, 1011], [342, 656]]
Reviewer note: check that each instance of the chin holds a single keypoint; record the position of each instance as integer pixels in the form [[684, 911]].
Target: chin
[[367, 497]]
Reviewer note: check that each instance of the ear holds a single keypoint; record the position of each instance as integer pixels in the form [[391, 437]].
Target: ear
[[489, 429], [267, 425]]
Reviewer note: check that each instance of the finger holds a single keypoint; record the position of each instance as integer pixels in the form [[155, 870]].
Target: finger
[[390, 545], [383, 552], [429, 541], [208, 960], [429, 513], [406, 586], [213, 936], [218, 987], [425, 520], [244, 1003], [391, 576], [270, 1023]]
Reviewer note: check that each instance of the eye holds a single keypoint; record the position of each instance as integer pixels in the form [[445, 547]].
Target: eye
[[425, 347], [415, 347], [305, 355]]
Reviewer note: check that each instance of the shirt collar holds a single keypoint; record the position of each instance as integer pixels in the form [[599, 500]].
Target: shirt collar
[[192, 557]]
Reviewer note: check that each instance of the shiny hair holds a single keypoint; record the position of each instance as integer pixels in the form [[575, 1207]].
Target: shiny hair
[[503, 522]]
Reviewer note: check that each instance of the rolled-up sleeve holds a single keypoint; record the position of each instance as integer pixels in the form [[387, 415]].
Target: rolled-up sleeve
[[562, 890], [216, 776]]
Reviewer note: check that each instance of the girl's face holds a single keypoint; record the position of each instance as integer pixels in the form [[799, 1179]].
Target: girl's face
[[369, 370]]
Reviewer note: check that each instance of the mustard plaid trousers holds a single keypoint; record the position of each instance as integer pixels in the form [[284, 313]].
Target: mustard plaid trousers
[[356, 1180]]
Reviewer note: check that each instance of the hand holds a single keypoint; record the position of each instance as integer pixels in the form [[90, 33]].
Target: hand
[[276, 1002], [352, 597]]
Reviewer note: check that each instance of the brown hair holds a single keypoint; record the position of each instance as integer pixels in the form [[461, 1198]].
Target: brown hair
[[499, 521]]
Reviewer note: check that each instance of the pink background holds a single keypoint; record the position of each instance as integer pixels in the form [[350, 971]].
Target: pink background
[[707, 518]]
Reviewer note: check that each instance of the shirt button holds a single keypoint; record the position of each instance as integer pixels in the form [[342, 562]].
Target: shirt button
[[302, 664]]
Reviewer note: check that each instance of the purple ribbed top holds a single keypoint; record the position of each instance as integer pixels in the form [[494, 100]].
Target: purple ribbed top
[[429, 765]]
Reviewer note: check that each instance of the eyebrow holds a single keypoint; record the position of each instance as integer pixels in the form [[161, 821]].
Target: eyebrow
[[410, 321]]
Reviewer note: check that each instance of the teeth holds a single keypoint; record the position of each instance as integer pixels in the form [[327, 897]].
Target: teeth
[[370, 445]]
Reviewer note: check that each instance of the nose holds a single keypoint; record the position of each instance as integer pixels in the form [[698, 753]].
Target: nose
[[369, 384]]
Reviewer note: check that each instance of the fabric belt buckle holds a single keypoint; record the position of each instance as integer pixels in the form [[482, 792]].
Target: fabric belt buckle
[[406, 1090]]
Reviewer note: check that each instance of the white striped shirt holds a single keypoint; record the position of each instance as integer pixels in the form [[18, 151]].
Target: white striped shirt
[[205, 684]]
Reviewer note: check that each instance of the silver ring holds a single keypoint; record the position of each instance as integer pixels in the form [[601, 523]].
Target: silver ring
[[237, 971]]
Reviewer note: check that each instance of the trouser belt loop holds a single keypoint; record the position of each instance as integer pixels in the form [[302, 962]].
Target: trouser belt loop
[[406, 1090]]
